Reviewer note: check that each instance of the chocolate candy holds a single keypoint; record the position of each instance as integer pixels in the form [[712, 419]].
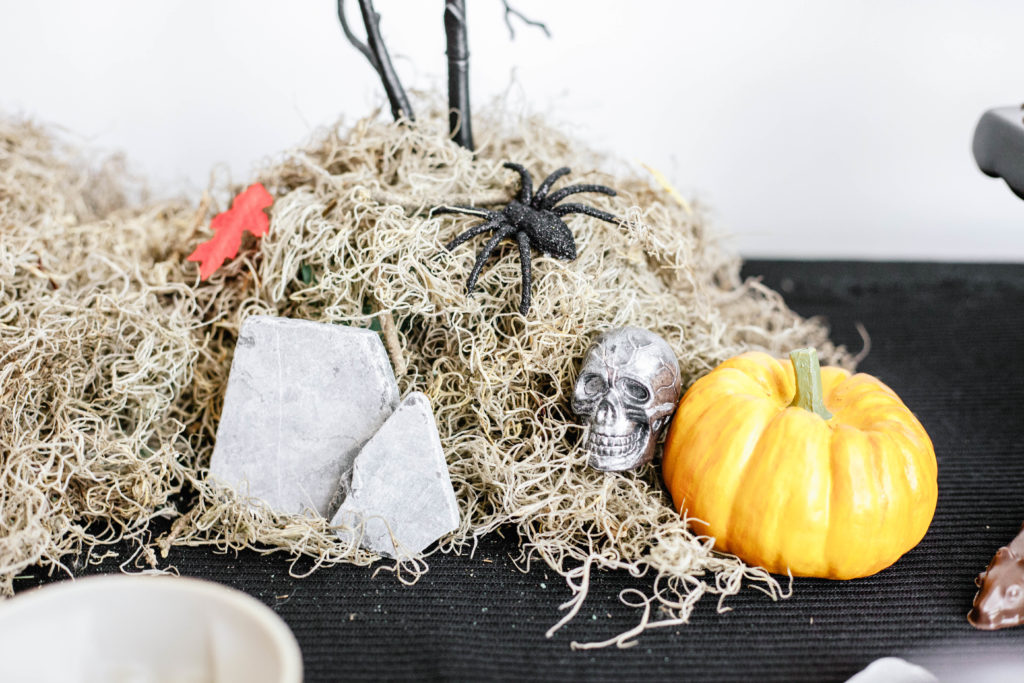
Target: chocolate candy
[[999, 602]]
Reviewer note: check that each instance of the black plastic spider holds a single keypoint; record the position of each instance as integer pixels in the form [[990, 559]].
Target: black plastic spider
[[533, 220]]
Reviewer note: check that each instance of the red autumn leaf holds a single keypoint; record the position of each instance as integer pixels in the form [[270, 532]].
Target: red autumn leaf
[[246, 213]]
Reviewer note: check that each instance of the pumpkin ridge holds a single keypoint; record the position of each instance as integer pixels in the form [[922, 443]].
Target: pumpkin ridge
[[758, 530], [853, 521], [892, 496], [817, 516], [670, 471], [707, 396], [699, 473], [917, 491], [748, 460], [831, 378], [759, 369], [754, 385], [765, 520]]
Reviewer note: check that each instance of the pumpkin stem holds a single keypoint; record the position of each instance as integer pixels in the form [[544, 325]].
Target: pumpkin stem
[[808, 382]]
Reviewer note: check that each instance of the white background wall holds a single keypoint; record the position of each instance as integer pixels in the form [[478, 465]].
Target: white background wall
[[813, 129]]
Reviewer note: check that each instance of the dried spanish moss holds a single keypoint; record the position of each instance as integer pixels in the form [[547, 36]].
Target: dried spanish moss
[[114, 358]]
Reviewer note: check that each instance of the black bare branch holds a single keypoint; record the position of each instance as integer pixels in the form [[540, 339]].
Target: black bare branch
[[511, 11], [459, 118], [356, 43], [375, 51]]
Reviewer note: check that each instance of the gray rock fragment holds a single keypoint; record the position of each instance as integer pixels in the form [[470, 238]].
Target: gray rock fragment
[[302, 399], [400, 482]]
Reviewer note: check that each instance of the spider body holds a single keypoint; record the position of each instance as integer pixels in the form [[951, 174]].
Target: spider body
[[547, 233], [533, 220]]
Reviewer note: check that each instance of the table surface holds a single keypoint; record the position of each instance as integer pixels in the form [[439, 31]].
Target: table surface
[[949, 338]]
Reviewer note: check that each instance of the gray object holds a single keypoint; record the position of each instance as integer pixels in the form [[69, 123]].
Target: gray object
[[893, 670], [400, 486], [302, 399], [999, 146], [627, 390]]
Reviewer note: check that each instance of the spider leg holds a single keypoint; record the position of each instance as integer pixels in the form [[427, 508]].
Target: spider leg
[[566, 209], [524, 262], [526, 187], [468, 210], [485, 253], [471, 233], [556, 197], [548, 182]]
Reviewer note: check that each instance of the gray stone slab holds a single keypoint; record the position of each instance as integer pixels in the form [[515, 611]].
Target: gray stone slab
[[400, 482], [302, 399]]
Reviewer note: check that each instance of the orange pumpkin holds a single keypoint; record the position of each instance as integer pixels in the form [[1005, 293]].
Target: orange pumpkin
[[810, 470]]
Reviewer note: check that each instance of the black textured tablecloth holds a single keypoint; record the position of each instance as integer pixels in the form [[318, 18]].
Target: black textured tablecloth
[[948, 338]]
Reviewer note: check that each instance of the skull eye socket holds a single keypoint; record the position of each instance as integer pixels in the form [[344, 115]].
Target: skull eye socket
[[633, 389], [593, 384]]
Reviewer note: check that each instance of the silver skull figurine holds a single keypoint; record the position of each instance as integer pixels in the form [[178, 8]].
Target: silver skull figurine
[[627, 390]]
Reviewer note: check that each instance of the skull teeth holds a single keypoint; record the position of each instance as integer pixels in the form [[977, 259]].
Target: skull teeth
[[608, 444], [613, 440]]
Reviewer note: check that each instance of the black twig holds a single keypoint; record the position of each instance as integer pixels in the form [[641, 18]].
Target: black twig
[[356, 43], [458, 73], [392, 86], [511, 11], [375, 51]]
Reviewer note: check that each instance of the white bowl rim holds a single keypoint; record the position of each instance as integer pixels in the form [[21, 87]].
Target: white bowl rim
[[270, 621]]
